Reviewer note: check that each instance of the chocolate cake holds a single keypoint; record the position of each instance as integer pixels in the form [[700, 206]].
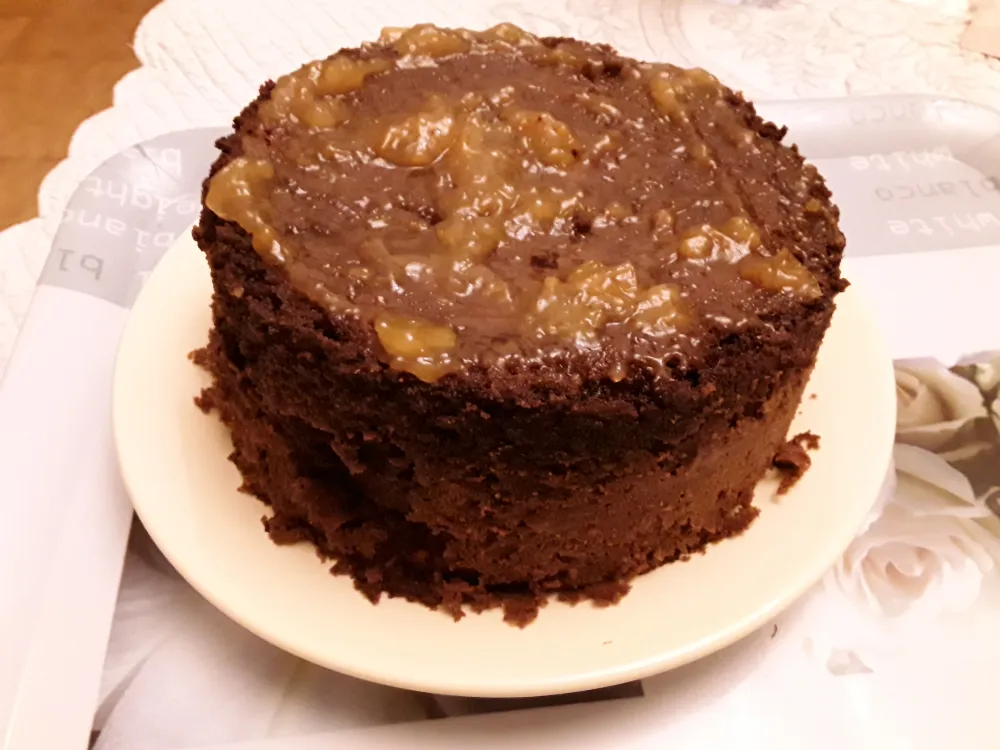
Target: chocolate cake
[[498, 317]]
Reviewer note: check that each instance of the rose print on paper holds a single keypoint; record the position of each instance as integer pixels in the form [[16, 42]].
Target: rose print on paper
[[931, 546], [940, 411], [928, 550]]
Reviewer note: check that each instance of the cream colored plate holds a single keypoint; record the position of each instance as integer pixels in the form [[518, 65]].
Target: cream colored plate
[[173, 460]]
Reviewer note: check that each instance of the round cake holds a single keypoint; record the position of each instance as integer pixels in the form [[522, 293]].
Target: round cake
[[498, 317]]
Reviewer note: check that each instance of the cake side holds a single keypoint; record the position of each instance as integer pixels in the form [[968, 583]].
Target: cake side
[[569, 472], [497, 540]]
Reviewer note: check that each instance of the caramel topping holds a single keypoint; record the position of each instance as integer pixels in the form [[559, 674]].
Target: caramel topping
[[296, 98], [570, 54], [660, 310], [614, 213], [465, 279], [534, 194], [780, 273], [594, 295], [470, 236], [510, 34], [420, 139], [576, 308], [416, 346], [662, 224], [667, 93], [391, 34], [550, 140], [618, 372], [319, 291], [699, 79], [741, 230], [426, 40], [730, 242], [304, 96], [234, 195], [448, 277], [541, 211], [699, 243], [343, 74], [601, 106], [676, 91], [481, 154]]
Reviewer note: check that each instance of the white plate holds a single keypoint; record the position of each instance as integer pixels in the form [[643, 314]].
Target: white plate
[[174, 463]]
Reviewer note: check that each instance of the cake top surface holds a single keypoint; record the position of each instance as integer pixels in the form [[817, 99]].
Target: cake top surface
[[481, 196]]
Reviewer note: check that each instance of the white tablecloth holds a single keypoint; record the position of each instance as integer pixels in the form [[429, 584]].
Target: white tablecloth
[[863, 648]]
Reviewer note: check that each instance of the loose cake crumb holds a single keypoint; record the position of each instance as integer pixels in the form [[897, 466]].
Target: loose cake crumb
[[792, 461]]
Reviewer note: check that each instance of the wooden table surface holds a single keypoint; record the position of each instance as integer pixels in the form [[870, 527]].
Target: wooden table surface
[[59, 60]]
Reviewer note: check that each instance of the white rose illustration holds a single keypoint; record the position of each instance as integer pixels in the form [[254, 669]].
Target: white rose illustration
[[929, 549], [937, 410]]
